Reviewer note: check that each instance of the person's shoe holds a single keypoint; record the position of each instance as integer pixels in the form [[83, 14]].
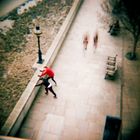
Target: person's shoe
[[55, 96], [46, 93]]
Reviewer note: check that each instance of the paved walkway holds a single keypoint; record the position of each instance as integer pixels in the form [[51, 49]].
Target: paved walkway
[[85, 98]]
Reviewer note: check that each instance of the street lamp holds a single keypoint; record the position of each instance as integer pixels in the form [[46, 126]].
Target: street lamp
[[38, 32]]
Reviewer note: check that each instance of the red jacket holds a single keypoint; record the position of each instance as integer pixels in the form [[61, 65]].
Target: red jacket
[[48, 72]]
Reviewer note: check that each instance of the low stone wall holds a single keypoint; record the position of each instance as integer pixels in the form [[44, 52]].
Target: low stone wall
[[11, 138], [16, 117]]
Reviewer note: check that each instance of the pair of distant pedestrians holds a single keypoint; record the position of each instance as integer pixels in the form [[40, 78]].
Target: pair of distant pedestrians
[[86, 41], [45, 81]]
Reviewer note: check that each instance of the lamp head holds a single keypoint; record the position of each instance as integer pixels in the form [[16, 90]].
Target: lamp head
[[37, 30]]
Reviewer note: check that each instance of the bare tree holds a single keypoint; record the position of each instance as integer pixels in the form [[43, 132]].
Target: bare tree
[[128, 14]]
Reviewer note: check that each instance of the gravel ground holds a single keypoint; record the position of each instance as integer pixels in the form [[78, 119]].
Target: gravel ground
[[18, 65]]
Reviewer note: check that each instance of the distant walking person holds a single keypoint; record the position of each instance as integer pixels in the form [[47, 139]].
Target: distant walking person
[[85, 41], [48, 86], [49, 72], [95, 40]]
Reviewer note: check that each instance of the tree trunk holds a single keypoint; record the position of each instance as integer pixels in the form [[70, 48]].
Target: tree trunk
[[134, 50], [133, 54]]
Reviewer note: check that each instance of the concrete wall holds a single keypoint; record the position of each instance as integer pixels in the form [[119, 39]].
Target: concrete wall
[[11, 138], [16, 117]]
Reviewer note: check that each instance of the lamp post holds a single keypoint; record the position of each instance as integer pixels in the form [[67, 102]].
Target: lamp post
[[38, 32]]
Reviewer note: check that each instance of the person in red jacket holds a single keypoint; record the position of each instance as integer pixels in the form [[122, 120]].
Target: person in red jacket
[[49, 72]]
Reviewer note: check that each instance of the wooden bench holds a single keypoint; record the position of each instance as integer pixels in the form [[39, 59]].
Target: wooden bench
[[111, 67], [110, 58]]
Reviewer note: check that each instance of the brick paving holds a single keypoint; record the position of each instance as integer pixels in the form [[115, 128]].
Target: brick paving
[[130, 113], [85, 98]]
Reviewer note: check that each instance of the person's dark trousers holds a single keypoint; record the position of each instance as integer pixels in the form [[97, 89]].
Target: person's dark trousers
[[46, 90], [52, 79], [51, 90]]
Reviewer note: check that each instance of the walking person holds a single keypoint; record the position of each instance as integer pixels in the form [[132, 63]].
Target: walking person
[[95, 40], [48, 86], [49, 72], [85, 41]]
